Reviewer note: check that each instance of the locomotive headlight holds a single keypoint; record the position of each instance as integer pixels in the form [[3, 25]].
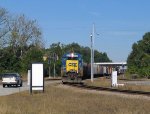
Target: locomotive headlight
[[72, 54]]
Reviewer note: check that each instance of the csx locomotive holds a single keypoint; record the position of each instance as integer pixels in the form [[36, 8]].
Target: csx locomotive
[[72, 68]]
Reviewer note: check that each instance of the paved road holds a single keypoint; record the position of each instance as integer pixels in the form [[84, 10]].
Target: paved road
[[11, 90]]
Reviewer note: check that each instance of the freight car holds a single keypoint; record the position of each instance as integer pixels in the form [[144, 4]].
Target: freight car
[[98, 71], [72, 68]]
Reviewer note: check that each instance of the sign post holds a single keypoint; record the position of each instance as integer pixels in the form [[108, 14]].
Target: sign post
[[37, 77], [49, 61], [114, 79], [29, 75]]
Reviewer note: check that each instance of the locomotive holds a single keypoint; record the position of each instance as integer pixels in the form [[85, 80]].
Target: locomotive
[[72, 68]]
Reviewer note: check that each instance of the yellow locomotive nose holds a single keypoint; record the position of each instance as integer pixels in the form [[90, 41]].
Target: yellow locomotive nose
[[72, 66]]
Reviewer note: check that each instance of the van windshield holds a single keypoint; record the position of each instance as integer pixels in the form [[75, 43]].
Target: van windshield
[[10, 75]]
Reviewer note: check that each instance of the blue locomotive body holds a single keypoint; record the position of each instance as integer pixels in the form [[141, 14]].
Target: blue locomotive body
[[72, 68]]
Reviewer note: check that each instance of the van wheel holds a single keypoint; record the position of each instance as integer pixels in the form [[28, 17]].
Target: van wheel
[[3, 85]]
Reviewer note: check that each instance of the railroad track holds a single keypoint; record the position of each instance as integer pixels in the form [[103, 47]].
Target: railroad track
[[109, 89]]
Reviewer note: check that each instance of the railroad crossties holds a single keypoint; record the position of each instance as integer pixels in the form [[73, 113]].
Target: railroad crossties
[[105, 91], [103, 86]]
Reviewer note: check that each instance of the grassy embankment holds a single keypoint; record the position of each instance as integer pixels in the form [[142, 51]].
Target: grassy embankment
[[58, 100]]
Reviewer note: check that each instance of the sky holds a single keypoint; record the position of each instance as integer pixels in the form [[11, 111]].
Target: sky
[[119, 23]]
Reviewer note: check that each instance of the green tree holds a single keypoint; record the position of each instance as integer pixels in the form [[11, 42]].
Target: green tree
[[9, 61], [139, 59], [20, 42], [32, 56], [24, 32]]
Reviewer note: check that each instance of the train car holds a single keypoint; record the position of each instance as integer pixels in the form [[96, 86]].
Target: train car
[[98, 71], [72, 68]]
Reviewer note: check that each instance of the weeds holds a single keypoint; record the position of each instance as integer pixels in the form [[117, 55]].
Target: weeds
[[66, 101]]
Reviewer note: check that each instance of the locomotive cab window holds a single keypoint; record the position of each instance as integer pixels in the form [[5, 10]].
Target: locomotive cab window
[[72, 58]]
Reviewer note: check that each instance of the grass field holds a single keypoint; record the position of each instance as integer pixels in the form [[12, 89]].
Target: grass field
[[103, 82], [59, 100]]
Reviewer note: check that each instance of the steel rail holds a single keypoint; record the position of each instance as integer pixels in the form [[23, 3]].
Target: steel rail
[[110, 89]]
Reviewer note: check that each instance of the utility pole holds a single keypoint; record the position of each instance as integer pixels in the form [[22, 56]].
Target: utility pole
[[54, 70], [54, 58], [49, 61], [92, 52], [93, 34], [91, 58]]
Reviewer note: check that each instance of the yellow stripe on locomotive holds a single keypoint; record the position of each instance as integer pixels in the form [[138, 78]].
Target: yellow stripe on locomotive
[[72, 66]]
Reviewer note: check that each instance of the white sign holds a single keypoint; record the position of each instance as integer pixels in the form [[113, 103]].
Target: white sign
[[37, 77], [114, 78]]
